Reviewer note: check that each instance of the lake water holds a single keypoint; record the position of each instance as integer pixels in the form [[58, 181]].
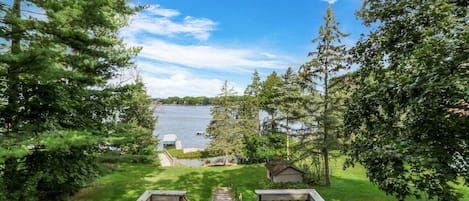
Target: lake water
[[185, 122]]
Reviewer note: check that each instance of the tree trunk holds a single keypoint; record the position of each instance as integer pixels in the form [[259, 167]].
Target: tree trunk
[[325, 150], [259, 122], [325, 153], [288, 143], [12, 73], [272, 123]]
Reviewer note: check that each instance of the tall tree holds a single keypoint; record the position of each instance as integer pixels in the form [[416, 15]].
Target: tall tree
[[224, 129], [288, 101], [251, 105], [267, 94], [409, 116], [249, 118], [56, 59], [326, 61]]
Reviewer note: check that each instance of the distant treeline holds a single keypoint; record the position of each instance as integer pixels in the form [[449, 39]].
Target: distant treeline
[[187, 100], [190, 100]]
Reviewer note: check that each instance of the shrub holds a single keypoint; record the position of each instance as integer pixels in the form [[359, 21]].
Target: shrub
[[111, 158]]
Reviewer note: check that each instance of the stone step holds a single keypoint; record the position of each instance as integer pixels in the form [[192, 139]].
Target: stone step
[[222, 194]]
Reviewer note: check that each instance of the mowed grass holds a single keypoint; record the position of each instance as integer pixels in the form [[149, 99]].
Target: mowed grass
[[129, 181]]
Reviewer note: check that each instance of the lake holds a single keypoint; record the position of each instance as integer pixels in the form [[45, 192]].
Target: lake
[[185, 122]]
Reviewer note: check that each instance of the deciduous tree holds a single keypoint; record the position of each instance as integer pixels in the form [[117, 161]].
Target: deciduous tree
[[409, 116]]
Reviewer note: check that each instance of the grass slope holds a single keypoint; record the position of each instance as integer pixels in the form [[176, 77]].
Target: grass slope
[[131, 180]]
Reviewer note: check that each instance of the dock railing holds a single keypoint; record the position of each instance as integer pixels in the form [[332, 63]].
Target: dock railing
[[288, 194], [169, 156]]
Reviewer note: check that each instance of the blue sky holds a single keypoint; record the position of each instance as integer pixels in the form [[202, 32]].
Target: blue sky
[[191, 47]]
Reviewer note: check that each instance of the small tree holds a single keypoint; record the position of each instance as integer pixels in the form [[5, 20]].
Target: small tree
[[224, 128]]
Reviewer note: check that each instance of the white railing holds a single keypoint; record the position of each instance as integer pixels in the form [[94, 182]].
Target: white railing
[[153, 195]]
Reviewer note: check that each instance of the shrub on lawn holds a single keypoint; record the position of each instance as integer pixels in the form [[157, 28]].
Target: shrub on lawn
[[197, 155], [110, 158]]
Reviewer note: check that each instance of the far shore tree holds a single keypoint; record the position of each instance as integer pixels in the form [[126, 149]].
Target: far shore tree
[[328, 59]]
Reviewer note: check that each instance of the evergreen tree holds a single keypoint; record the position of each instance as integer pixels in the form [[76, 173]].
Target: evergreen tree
[[251, 106], [267, 95], [56, 106], [408, 118], [288, 101], [249, 119], [224, 129], [326, 61]]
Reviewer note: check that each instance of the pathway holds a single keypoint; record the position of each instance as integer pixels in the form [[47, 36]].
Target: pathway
[[164, 160], [222, 194]]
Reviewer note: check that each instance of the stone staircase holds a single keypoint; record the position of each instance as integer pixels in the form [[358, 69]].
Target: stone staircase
[[222, 194]]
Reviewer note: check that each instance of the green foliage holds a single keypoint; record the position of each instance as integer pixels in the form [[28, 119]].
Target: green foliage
[[179, 154], [289, 102], [187, 100], [250, 106], [263, 148], [48, 175], [408, 118], [223, 128], [56, 107], [127, 158], [266, 95], [328, 59]]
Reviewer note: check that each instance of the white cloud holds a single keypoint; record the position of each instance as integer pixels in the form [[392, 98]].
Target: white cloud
[[211, 57], [160, 69], [171, 69], [330, 1], [183, 85], [269, 55], [160, 21], [157, 10]]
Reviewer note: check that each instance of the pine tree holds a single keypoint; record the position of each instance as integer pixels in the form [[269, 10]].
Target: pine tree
[[328, 59], [54, 68], [224, 129], [267, 95], [251, 105], [288, 101]]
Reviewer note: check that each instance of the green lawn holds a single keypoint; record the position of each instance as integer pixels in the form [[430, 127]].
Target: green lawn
[[128, 181]]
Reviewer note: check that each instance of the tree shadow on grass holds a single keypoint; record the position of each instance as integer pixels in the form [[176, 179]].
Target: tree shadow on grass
[[126, 183], [200, 183], [345, 189]]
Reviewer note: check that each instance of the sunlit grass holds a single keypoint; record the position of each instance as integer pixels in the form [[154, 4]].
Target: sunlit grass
[[129, 181]]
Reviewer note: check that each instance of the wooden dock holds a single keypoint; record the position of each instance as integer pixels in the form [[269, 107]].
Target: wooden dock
[[222, 194]]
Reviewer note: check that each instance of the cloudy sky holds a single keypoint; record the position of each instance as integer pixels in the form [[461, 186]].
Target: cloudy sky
[[191, 47]]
